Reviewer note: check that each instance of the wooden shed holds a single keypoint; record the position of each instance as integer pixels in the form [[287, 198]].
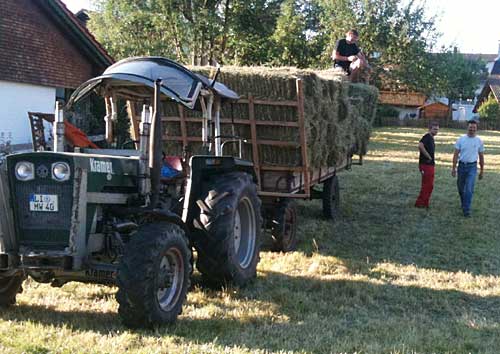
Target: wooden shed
[[435, 110]]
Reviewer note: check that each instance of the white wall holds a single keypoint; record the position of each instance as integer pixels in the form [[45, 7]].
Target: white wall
[[407, 112], [16, 100], [463, 111]]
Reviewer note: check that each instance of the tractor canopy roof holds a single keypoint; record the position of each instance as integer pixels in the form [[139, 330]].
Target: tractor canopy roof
[[134, 78]]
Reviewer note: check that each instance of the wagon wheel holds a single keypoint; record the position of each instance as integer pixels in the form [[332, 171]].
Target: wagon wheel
[[331, 198], [284, 227]]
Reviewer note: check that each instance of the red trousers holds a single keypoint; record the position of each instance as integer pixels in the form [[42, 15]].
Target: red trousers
[[424, 197]]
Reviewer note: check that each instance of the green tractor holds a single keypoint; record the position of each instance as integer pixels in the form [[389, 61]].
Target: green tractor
[[108, 216]]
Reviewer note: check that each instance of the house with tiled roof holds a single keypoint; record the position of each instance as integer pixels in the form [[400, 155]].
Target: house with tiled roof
[[45, 52], [491, 86], [488, 59]]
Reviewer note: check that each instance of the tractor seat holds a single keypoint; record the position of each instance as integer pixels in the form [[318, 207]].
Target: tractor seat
[[171, 169]]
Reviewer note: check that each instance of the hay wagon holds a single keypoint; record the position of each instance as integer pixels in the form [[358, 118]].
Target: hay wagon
[[300, 131]]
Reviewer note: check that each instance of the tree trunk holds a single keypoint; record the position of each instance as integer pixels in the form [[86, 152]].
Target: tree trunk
[[224, 32], [178, 47], [194, 58]]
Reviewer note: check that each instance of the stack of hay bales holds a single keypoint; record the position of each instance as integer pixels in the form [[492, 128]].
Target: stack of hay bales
[[338, 114]]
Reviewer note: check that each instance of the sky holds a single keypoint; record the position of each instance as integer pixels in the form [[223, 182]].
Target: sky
[[473, 26]]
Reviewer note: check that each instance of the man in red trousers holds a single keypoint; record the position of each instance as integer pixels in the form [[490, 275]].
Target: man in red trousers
[[426, 165]]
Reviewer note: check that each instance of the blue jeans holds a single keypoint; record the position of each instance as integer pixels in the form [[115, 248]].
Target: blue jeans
[[465, 183]]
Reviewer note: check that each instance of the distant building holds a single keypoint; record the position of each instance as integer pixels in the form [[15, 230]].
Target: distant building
[[463, 110], [466, 109], [411, 105], [489, 59], [45, 52], [434, 110], [407, 103], [492, 84]]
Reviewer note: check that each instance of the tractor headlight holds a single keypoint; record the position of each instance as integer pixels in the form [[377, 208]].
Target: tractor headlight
[[25, 171], [60, 171]]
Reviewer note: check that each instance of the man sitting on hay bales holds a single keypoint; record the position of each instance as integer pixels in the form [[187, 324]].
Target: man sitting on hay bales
[[348, 57]]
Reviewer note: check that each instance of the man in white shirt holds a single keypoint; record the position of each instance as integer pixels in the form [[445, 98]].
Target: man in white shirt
[[467, 150]]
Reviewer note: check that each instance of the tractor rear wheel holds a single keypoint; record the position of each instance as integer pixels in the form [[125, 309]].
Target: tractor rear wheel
[[9, 288], [153, 277], [230, 213], [284, 226], [331, 198]]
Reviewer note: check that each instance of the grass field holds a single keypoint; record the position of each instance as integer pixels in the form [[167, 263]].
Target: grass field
[[386, 278]]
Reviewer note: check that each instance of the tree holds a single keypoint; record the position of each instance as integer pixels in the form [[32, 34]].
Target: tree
[[456, 77], [490, 109], [289, 37], [205, 26], [250, 29], [396, 38], [132, 28], [195, 31]]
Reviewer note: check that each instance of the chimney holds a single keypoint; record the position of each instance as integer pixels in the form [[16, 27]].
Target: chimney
[[83, 17]]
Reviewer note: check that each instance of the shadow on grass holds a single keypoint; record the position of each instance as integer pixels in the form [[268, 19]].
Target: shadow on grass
[[101, 322], [316, 316], [321, 316], [379, 223]]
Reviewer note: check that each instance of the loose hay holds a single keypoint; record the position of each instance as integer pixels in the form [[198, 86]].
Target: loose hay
[[338, 114]]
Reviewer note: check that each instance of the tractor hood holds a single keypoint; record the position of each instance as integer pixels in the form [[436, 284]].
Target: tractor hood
[[134, 78]]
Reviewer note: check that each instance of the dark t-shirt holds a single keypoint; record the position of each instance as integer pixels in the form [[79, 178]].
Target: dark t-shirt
[[428, 141], [345, 49]]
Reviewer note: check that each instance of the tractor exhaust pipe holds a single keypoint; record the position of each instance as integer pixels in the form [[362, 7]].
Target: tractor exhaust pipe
[[58, 127], [145, 128], [156, 147]]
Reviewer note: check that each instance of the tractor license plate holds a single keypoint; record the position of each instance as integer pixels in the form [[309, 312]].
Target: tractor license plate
[[43, 202]]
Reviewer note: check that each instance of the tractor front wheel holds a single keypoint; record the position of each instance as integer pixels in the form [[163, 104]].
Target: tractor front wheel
[[10, 286], [153, 276]]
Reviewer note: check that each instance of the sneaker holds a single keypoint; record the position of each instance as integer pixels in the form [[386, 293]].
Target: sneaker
[[466, 214]]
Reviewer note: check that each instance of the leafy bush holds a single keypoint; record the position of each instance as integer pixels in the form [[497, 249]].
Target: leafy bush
[[385, 111], [490, 109], [384, 114]]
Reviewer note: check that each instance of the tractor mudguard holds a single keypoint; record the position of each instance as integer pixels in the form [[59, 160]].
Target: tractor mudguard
[[159, 215]]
